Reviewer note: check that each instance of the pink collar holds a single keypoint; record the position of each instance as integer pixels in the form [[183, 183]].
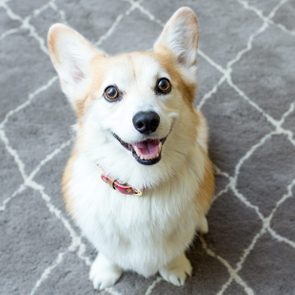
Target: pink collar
[[123, 188]]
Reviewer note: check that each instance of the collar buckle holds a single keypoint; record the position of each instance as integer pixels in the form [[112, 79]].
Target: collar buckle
[[123, 188]]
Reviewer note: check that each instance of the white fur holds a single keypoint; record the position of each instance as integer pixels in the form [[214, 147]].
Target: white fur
[[103, 118], [150, 233], [138, 233], [177, 270], [104, 273]]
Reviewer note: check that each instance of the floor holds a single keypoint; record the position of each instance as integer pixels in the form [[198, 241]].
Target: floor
[[246, 77]]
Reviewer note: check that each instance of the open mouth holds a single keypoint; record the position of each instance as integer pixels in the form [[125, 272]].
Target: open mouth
[[146, 152]]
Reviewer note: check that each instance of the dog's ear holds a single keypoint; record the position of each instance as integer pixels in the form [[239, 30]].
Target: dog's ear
[[71, 55], [180, 35]]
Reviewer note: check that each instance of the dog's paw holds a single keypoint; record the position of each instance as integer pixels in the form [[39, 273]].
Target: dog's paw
[[104, 273], [177, 271]]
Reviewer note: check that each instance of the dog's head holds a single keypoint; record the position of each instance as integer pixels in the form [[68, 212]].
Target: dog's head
[[135, 110]]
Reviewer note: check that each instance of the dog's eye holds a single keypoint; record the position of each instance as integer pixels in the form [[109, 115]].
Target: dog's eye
[[111, 93], [163, 86]]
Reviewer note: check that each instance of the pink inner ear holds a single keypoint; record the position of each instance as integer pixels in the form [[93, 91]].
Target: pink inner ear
[[78, 75]]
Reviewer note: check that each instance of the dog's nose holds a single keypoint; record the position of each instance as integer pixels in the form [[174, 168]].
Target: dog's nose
[[146, 122]]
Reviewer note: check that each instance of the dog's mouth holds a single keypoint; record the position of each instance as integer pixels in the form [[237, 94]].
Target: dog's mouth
[[146, 152]]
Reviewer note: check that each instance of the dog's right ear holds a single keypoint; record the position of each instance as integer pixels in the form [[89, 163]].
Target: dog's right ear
[[71, 55], [180, 36]]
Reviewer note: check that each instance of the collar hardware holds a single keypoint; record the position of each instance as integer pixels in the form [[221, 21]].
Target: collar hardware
[[123, 188]]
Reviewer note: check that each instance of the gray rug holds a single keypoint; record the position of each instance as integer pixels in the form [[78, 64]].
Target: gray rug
[[246, 79]]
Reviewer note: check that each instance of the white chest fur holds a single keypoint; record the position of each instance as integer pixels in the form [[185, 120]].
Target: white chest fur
[[138, 233]]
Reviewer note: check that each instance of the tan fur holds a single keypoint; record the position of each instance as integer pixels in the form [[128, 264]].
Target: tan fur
[[186, 88], [65, 182], [207, 186], [52, 38], [205, 194], [164, 56], [204, 197]]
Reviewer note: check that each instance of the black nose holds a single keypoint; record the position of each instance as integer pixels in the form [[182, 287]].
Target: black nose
[[146, 122]]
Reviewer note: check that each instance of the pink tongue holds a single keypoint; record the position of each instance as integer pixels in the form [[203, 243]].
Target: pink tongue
[[148, 149]]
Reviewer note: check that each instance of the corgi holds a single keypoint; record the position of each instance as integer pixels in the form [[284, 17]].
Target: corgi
[[139, 181]]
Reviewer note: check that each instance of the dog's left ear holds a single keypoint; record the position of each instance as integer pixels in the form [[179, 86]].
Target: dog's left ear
[[180, 35]]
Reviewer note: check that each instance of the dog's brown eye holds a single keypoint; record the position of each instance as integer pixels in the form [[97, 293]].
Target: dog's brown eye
[[163, 86], [111, 93]]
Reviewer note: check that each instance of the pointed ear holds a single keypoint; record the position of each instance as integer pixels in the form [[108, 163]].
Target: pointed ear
[[71, 55], [180, 35]]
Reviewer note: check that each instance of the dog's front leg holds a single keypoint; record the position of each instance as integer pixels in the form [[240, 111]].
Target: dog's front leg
[[104, 273], [177, 270]]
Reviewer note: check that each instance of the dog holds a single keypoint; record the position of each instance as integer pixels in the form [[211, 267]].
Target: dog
[[139, 181]]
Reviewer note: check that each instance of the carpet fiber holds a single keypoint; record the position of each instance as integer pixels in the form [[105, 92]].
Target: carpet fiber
[[246, 77]]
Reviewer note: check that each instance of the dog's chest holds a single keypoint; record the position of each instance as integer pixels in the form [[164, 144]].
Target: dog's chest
[[116, 222], [115, 214]]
